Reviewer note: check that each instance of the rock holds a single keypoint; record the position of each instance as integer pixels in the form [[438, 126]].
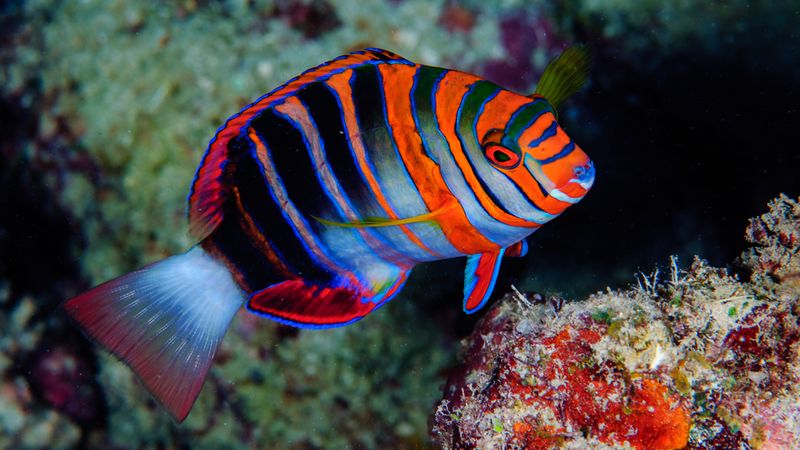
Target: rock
[[696, 359]]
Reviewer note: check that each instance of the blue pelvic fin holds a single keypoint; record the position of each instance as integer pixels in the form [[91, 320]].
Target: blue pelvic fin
[[479, 278], [517, 249], [165, 321]]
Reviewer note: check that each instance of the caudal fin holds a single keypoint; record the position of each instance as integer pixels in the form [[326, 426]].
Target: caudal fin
[[165, 321]]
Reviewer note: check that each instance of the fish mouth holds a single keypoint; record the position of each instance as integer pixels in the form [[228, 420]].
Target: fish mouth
[[584, 175], [579, 184]]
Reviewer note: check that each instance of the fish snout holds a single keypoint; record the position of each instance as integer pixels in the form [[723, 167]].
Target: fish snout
[[584, 175], [581, 180]]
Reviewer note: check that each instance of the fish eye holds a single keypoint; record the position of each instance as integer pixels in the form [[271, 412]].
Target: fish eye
[[501, 156], [498, 154]]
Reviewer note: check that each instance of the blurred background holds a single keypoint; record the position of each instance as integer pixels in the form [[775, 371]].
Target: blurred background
[[106, 107]]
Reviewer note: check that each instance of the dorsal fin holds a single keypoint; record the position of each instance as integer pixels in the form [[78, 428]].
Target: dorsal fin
[[565, 75], [208, 194]]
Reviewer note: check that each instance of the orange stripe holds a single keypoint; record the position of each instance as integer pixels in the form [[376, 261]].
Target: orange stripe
[[398, 81], [317, 73], [498, 111], [293, 108], [341, 83], [449, 94]]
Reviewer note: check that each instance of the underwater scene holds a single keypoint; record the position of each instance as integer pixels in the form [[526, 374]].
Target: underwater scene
[[315, 224]]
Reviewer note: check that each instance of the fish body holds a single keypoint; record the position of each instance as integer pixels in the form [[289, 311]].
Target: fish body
[[312, 205]]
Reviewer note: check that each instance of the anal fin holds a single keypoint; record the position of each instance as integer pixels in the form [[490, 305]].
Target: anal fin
[[479, 278], [305, 305]]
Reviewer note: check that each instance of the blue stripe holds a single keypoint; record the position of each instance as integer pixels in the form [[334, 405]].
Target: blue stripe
[[374, 206], [564, 152], [516, 114], [355, 233], [414, 196], [523, 248], [307, 225], [513, 130], [285, 215], [384, 160], [404, 173], [491, 228], [466, 148], [290, 81], [548, 133]]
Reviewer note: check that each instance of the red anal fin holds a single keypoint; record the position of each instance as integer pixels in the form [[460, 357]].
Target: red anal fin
[[299, 304], [208, 194], [479, 278]]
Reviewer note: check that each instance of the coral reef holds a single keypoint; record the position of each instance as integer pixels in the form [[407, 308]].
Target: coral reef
[[696, 359]]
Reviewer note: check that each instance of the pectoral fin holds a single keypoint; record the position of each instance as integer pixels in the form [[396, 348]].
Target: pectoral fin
[[306, 305], [518, 249], [479, 279]]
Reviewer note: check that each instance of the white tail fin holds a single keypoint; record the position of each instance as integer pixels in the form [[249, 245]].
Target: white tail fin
[[165, 321]]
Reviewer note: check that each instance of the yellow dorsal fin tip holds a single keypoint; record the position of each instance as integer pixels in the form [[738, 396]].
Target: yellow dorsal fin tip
[[565, 75]]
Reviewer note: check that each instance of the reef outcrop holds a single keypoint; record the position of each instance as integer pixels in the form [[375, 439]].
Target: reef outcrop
[[695, 358]]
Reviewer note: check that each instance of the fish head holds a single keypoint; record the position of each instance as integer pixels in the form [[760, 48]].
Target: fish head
[[534, 151]]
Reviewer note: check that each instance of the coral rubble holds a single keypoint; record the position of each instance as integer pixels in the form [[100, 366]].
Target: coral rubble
[[24, 421], [696, 359]]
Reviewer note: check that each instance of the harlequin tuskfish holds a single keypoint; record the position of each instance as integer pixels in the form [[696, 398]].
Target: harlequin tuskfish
[[312, 205]]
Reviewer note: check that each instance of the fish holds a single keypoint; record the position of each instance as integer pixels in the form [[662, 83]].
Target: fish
[[312, 205]]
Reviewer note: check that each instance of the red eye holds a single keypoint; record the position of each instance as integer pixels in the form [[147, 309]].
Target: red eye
[[501, 156]]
